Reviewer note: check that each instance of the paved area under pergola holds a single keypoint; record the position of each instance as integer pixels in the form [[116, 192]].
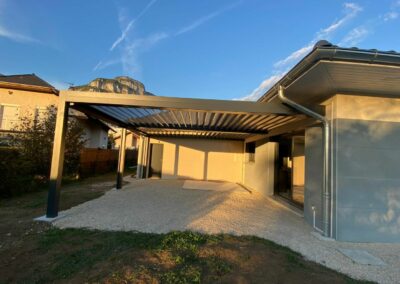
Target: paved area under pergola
[[161, 206]]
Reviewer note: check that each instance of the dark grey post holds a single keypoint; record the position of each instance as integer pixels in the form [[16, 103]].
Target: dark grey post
[[57, 160], [121, 159]]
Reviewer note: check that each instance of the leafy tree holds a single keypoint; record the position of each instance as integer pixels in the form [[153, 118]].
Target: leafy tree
[[110, 141], [35, 137]]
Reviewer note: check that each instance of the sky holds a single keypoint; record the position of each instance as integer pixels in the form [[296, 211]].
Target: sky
[[217, 49]]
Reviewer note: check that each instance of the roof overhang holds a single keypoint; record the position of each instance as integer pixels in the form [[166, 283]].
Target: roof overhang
[[31, 88], [327, 78], [327, 71]]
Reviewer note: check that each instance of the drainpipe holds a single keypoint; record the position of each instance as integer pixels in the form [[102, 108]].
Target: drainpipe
[[326, 218]]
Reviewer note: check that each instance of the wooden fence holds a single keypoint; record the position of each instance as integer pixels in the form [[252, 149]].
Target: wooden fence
[[100, 161]]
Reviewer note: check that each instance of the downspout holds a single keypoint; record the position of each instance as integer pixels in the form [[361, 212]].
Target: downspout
[[326, 218]]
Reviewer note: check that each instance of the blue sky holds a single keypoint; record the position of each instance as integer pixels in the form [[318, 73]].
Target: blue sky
[[226, 49]]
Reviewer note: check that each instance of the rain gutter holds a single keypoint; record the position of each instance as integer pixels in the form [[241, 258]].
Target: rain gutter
[[327, 189]]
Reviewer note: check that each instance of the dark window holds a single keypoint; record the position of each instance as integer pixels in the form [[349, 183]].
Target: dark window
[[251, 151]]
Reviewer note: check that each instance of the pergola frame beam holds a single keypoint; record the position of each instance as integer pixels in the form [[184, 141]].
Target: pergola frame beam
[[170, 103]]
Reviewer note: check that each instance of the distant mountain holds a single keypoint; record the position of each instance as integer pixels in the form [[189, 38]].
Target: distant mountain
[[121, 84]]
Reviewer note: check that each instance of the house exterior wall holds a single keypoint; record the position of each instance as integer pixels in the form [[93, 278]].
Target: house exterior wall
[[95, 135], [131, 140], [201, 159], [259, 175], [27, 101], [313, 176], [366, 180]]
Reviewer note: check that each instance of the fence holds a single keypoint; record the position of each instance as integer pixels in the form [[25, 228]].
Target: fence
[[100, 161]]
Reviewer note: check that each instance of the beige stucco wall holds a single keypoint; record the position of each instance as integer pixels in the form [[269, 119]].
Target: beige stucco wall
[[131, 140], [27, 101], [298, 170], [364, 108], [201, 159], [259, 175], [298, 161]]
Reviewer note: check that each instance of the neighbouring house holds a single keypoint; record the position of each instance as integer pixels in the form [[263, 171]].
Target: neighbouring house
[[28, 95], [131, 139], [325, 137]]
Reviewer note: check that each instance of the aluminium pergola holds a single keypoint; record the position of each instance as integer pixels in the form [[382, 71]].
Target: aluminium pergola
[[166, 116]]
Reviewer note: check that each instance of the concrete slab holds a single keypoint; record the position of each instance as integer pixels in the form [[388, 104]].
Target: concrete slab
[[209, 185], [44, 218], [320, 237], [361, 257]]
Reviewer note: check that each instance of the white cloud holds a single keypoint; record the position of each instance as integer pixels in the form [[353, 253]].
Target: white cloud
[[282, 66], [294, 56], [360, 33], [130, 24], [355, 36], [392, 15], [104, 64], [11, 34], [132, 48], [351, 10], [6, 33], [265, 85], [205, 19], [196, 23]]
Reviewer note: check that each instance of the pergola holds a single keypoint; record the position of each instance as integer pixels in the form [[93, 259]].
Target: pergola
[[167, 116]]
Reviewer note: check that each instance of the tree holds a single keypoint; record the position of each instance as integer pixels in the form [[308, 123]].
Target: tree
[[34, 139]]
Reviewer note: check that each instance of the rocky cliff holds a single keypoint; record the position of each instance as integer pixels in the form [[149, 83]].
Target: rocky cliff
[[122, 85]]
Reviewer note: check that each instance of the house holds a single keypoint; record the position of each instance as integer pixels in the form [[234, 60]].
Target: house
[[325, 137], [131, 139], [28, 95]]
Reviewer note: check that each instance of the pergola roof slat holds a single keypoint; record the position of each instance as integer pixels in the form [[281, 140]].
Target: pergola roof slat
[[166, 116]]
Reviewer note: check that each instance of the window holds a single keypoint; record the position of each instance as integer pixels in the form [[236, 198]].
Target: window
[[9, 116], [251, 152]]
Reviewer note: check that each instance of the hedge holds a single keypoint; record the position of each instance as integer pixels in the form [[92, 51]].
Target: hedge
[[16, 175]]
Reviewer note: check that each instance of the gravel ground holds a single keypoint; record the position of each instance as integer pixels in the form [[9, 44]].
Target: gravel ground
[[160, 206]]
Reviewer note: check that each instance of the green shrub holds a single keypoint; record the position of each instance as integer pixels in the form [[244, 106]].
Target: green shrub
[[16, 174], [26, 166]]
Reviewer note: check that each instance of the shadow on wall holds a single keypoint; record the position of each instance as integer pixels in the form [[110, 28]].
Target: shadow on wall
[[388, 220], [367, 179], [201, 159]]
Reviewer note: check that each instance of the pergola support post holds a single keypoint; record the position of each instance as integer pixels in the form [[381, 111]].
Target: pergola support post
[[146, 156], [139, 168], [121, 159], [57, 160]]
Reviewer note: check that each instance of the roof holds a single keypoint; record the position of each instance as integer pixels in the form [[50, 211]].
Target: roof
[[26, 81], [326, 52]]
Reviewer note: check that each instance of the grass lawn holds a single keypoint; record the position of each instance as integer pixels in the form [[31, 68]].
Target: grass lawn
[[33, 252]]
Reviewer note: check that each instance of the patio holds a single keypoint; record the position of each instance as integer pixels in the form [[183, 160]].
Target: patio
[[160, 206]]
